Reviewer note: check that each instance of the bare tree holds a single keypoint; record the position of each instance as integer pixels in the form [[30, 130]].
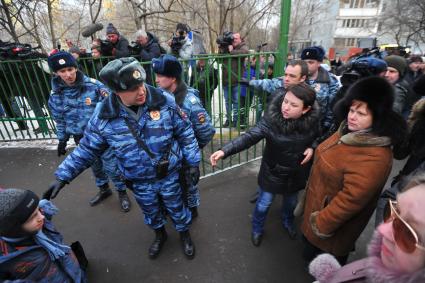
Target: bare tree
[[403, 21]]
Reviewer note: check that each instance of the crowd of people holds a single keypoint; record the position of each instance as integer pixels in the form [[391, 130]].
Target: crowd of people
[[329, 147]]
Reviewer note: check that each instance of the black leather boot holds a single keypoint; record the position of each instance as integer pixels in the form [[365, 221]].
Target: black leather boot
[[187, 244], [256, 239], [156, 246], [104, 192], [124, 201], [194, 212]]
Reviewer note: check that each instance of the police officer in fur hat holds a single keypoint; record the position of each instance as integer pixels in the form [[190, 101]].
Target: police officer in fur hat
[[151, 137], [169, 72], [32, 250], [72, 102]]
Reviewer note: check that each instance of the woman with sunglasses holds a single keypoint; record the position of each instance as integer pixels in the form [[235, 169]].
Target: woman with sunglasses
[[350, 169], [397, 250]]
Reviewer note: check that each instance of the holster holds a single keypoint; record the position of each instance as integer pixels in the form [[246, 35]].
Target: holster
[[79, 253]]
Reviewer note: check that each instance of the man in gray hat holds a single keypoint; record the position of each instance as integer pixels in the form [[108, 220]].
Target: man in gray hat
[[150, 136]]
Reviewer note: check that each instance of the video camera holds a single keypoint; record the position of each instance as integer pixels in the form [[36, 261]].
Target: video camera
[[16, 50], [361, 68], [135, 48], [225, 40], [177, 41], [106, 47]]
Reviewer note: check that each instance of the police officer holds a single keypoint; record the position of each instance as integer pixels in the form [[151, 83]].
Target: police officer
[[168, 71], [150, 136], [72, 102]]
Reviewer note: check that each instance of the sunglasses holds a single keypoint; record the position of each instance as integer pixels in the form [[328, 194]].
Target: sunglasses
[[404, 236]]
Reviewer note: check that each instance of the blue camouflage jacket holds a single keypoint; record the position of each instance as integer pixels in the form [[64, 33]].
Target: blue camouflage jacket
[[267, 85], [26, 261], [188, 99], [326, 86], [161, 125], [72, 106]]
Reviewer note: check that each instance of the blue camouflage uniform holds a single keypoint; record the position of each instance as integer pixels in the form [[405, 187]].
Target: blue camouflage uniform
[[71, 108], [326, 86], [188, 99], [267, 85], [166, 132]]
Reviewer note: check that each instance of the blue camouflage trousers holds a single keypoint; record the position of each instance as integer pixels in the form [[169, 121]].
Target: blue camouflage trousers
[[166, 193]]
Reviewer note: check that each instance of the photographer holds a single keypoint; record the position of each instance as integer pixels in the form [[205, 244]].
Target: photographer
[[148, 49], [115, 45], [181, 45], [232, 44]]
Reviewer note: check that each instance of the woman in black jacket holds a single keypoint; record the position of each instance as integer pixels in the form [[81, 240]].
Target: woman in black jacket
[[290, 127]]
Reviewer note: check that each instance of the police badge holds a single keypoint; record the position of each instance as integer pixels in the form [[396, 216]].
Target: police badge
[[61, 61], [136, 74], [88, 101], [155, 115]]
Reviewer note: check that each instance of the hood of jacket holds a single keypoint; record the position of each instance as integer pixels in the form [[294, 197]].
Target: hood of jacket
[[302, 125]]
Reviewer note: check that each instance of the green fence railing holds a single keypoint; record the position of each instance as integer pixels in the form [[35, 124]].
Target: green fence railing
[[25, 89]]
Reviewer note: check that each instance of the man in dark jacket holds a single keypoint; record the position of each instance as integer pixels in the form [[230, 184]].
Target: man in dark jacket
[[119, 44], [396, 70], [149, 49], [205, 79], [232, 71]]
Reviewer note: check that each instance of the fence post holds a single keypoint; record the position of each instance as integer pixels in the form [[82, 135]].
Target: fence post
[[285, 15]]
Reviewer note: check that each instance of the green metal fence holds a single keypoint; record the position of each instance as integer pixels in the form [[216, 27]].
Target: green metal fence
[[25, 89]]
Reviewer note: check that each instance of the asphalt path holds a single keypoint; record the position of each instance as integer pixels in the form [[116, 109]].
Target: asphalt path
[[116, 243]]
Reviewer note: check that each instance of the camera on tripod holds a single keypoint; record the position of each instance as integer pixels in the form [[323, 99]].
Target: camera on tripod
[[225, 40]]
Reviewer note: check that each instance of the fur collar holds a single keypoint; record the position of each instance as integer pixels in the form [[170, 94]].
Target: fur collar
[[302, 125], [361, 138], [323, 76], [180, 93], [110, 107], [378, 273], [58, 84]]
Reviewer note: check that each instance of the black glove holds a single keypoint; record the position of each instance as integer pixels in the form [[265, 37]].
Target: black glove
[[61, 148], [194, 175], [54, 189]]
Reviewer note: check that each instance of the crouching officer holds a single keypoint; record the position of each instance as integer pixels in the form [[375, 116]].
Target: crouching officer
[[150, 136], [168, 71], [72, 102]]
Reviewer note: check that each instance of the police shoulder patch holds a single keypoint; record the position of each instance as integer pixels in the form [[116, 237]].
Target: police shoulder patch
[[201, 117]]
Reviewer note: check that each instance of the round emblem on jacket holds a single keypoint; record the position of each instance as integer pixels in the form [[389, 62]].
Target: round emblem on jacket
[[201, 118], [61, 61], [136, 74], [317, 87], [88, 101], [155, 115]]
